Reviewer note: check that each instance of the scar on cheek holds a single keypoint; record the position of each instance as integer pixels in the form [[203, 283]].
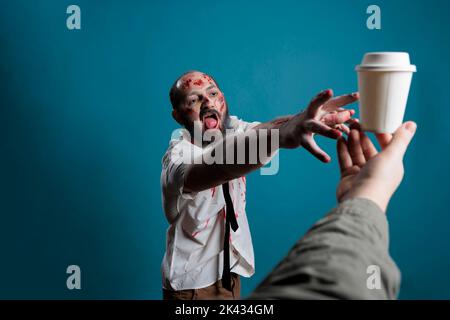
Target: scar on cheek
[[222, 102], [198, 82]]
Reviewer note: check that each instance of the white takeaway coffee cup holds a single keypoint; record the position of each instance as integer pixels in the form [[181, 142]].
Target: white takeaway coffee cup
[[384, 79]]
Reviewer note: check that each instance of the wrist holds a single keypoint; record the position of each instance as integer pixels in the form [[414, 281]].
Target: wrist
[[370, 192]]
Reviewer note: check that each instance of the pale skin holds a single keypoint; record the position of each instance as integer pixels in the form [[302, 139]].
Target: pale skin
[[324, 115], [365, 173]]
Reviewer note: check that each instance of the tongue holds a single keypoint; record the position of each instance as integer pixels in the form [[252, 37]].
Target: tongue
[[210, 123]]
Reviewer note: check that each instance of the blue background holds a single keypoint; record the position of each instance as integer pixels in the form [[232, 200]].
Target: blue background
[[85, 119]]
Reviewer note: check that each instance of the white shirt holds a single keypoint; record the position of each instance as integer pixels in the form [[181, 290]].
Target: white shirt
[[194, 244]]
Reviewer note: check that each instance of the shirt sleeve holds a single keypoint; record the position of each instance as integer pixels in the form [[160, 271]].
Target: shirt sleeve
[[336, 259], [241, 125], [175, 163], [175, 160], [177, 157], [174, 199]]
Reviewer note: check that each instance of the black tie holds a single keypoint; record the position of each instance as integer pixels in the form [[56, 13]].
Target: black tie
[[230, 221]]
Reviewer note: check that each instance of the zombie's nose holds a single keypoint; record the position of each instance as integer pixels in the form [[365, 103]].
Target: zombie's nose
[[205, 107]]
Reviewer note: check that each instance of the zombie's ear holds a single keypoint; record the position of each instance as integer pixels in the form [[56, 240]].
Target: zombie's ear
[[177, 117]]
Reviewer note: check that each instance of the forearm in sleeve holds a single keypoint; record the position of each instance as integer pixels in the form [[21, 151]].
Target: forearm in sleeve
[[334, 259]]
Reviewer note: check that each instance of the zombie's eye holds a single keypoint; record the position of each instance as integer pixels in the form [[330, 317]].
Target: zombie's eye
[[213, 93], [192, 101]]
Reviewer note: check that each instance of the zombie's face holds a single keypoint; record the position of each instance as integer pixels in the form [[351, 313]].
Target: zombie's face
[[202, 103]]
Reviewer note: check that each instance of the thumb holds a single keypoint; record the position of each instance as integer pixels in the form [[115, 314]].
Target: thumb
[[402, 137]]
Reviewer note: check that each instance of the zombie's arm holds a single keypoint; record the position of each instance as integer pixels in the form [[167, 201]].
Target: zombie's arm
[[323, 116]]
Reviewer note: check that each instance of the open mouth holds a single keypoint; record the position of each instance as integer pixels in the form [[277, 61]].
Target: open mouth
[[210, 121]]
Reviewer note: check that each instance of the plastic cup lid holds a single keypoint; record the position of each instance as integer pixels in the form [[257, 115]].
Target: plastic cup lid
[[386, 61]]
